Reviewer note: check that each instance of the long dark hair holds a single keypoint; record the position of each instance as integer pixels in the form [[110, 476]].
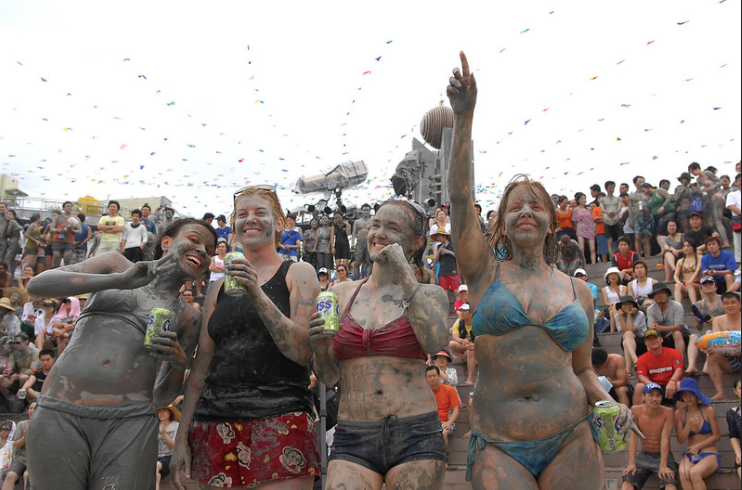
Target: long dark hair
[[175, 227]]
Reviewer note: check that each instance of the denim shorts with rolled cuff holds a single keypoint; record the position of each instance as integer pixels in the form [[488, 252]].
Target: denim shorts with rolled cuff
[[384, 444]]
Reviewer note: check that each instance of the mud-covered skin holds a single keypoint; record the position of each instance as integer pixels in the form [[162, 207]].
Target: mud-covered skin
[[375, 387], [255, 228], [529, 388], [106, 361]]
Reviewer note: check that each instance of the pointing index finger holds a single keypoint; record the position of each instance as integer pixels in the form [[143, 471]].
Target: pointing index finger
[[464, 65]]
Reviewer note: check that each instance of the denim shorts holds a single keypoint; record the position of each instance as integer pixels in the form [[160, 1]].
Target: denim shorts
[[384, 444]]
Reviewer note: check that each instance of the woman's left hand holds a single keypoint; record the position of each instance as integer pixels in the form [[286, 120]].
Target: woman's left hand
[[166, 347]]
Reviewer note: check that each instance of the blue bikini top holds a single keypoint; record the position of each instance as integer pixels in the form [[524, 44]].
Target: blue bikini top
[[499, 312], [705, 427]]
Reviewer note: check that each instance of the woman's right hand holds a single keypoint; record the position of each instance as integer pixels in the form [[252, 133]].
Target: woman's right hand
[[181, 462], [320, 337], [462, 89]]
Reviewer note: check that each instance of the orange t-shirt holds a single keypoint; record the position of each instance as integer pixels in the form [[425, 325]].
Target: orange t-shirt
[[599, 226], [565, 220], [446, 398]]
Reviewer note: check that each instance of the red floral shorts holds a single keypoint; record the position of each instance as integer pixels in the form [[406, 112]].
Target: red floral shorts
[[239, 454]]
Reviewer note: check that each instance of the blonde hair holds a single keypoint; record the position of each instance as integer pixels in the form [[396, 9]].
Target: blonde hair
[[269, 196], [499, 240]]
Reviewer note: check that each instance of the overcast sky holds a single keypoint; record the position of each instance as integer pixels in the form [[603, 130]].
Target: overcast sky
[[192, 100]]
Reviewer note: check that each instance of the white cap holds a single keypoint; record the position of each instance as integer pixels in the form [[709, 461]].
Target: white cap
[[464, 307], [463, 287], [580, 271], [322, 270]]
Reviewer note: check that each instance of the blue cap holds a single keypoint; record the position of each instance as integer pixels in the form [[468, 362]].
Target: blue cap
[[652, 386]]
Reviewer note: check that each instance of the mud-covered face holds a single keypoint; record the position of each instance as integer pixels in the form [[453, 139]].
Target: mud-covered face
[[526, 217], [365, 212], [9, 216], [314, 224], [255, 223], [391, 224], [169, 214], [194, 246], [325, 221], [67, 208]]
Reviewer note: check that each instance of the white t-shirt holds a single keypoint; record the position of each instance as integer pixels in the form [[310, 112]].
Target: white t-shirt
[[163, 448], [134, 236], [39, 326], [734, 198]]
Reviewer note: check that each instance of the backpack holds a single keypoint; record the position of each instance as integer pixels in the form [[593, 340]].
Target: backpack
[[697, 203]]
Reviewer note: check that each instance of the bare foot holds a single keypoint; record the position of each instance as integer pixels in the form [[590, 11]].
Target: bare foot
[[719, 396], [469, 382], [690, 371]]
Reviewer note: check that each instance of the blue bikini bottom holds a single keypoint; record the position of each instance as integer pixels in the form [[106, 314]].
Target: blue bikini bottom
[[535, 456]]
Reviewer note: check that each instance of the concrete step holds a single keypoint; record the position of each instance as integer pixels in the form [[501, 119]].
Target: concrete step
[[718, 481]]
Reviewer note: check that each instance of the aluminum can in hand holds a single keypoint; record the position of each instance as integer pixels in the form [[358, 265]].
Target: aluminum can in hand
[[605, 418], [232, 287], [327, 307], [159, 321]]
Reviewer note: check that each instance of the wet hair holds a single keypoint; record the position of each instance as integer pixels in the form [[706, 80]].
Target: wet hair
[[173, 230], [35, 217], [431, 368], [137, 212], [365, 205], [599, 356], [637, 178], [208, 216], [609, 182], [595, 187], [269, 196], [565, 240], [624, 194], [418, 216], [500, 242], [694, 166], [12, 211], [664, 181], [118, 206]]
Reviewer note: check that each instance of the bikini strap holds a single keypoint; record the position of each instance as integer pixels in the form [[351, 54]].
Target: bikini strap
[[497, 270], [574, 291], [352, 299]]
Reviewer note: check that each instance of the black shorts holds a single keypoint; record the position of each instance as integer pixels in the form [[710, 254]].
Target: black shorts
[[165, 462], [614, 231], [342, 251], [380, 446]]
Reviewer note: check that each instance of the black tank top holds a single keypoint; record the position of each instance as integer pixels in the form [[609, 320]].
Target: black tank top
[[248, 377]]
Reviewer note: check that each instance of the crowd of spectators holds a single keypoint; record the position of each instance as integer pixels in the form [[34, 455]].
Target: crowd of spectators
[[689, 226]]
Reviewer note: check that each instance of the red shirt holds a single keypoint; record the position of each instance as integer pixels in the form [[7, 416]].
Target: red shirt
[[446, 398], [626, 263], [659, 368]]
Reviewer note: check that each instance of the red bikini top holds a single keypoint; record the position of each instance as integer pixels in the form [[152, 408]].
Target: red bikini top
[[396, 338]]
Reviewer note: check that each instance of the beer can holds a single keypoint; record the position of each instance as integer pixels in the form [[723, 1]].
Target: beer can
[[159, 321], [21, 394], [605, 418], [232, 287], [327, 307]]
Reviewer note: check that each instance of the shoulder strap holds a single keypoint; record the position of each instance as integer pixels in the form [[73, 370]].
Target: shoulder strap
[[352, 299], [497, 270], [574, 291]]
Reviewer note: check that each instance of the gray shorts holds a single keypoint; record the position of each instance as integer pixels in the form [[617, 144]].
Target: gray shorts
[[84, 447], [62, 247], [18, 465], [648, 464]]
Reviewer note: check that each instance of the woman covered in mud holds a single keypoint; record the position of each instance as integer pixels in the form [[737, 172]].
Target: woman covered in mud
[[388, 428], [247, 416], [533, 327], [95, 425]]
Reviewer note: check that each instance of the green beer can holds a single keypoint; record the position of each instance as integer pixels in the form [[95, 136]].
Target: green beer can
[[327, 307], [232, 287], [159, 321], [605, 417]]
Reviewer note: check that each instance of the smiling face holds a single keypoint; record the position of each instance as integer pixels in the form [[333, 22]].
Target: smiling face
[[194, 246], [163, 415], [255, 221], [653, 398], [672, 227], [526, 217], [392, 223], [9, 216]]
